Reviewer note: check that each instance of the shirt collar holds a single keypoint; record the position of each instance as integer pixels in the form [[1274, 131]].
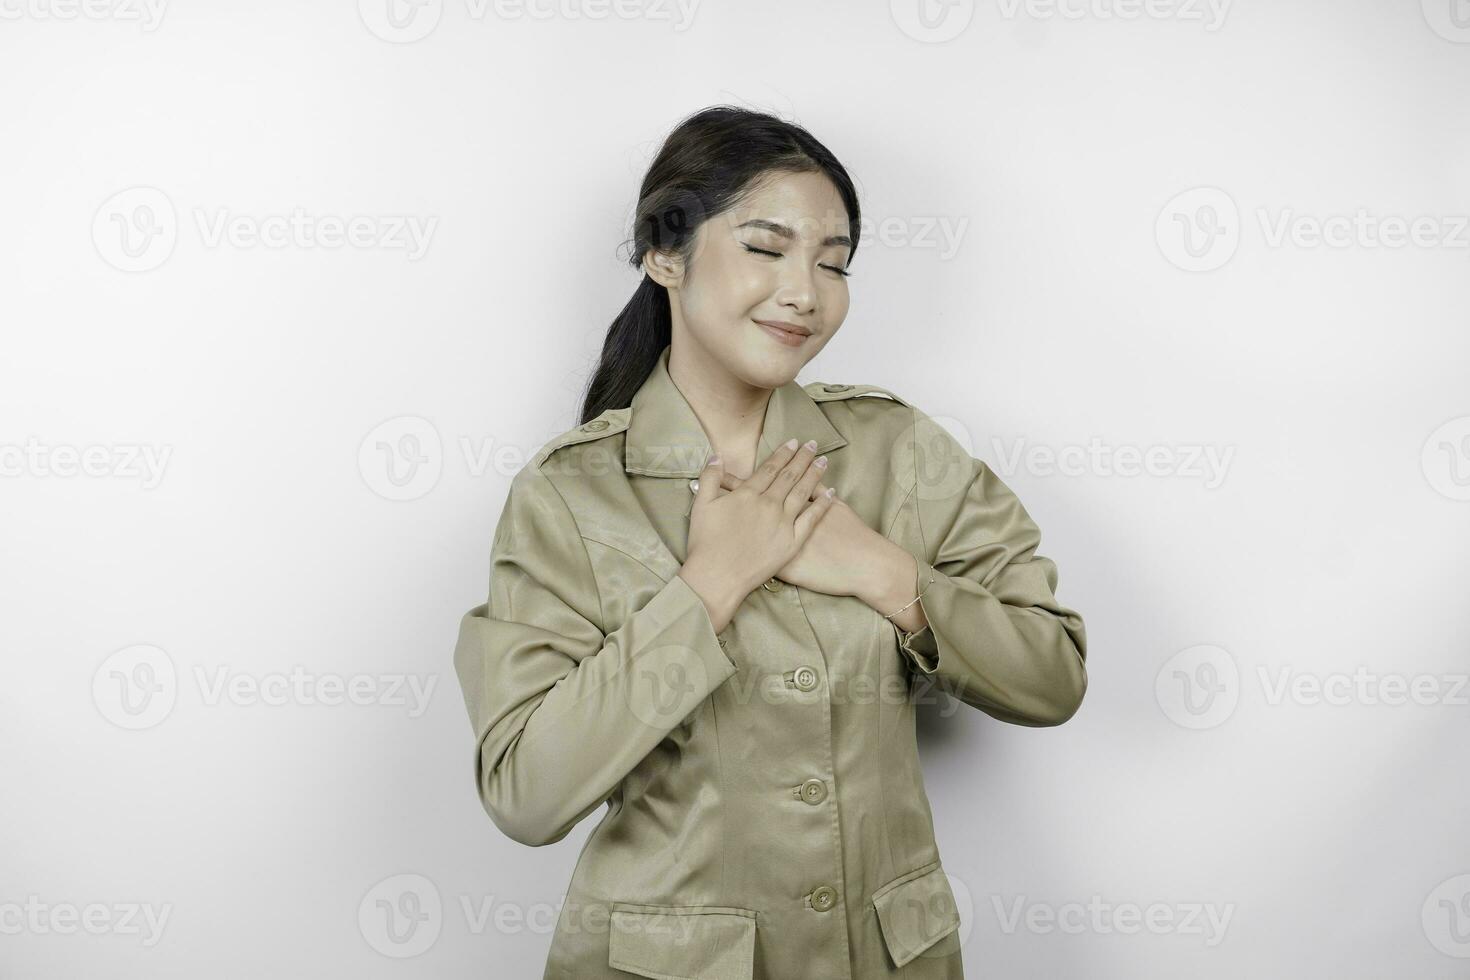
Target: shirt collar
[[664, 437]]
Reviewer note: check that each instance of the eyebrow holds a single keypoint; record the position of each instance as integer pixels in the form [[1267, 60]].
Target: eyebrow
[[777, 228]]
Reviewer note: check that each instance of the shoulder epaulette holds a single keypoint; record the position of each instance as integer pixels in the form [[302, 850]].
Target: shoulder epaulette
[[610, 422], [824, 392]]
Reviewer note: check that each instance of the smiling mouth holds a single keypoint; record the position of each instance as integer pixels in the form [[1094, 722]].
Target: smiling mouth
[[790, 338]]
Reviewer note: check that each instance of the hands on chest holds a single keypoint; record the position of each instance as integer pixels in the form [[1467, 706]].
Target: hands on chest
[[781, 522]]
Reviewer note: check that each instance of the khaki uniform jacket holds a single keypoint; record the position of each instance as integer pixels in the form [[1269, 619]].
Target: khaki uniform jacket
[[766, 810]]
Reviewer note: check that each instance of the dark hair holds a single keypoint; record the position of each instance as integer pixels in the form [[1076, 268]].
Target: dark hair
[[705, 167]]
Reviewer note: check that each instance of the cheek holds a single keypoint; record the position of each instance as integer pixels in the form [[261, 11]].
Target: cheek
[[738, 292], [835, 301], [723, 285]]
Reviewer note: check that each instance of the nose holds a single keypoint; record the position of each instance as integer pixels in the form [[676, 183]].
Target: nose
[[798, 291]]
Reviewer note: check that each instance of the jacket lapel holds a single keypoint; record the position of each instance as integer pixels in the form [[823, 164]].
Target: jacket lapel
[[665, 439]]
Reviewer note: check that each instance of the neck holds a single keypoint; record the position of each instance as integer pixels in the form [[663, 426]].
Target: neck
[[730, 411]]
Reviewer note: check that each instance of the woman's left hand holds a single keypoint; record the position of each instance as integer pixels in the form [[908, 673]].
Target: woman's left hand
[[840, 554]]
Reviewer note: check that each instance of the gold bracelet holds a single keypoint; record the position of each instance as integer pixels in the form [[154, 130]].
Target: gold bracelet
[[914, 599]]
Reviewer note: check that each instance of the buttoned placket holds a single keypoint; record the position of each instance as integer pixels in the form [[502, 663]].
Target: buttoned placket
[[665, 439], [818, 790], [826, 895]]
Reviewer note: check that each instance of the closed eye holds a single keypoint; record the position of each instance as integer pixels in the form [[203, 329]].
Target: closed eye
[[762, 251]]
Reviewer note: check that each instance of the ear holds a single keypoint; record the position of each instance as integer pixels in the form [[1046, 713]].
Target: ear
[[664, 268]]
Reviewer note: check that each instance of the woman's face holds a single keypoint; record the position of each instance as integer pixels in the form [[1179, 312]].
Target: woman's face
[[776, 257]]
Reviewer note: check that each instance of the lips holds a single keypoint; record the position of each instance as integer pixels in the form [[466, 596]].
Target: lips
[[790, 338]]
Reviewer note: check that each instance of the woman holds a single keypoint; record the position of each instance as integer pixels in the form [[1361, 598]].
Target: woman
[[687, 623]]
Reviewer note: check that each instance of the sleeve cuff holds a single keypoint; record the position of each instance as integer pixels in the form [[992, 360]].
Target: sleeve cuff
[[678, 601], [920, 646]]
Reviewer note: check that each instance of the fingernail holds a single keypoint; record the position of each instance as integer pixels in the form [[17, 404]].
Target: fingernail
[[714, 458], [821, 461], [791, 443], [831, 491], [811, 444]]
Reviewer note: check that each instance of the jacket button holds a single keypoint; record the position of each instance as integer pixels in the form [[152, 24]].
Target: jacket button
[[596, 425], [835, 387], [694, 485], [805, 678], [824, 898], [772, 584], [812, 791]]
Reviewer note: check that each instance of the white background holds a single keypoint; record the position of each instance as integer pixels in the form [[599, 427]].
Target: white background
[[1066, 149]]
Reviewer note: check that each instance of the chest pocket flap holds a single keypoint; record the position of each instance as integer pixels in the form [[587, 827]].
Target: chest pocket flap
[[915, 911], [691, 942]]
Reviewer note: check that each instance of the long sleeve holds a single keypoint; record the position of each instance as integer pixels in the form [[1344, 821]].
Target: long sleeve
[[561, 710], [997, 637]]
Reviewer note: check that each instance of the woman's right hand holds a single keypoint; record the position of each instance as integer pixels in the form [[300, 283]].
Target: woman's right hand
[[740, 538]]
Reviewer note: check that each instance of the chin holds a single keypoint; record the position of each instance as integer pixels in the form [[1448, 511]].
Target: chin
[[780, 356], [772, 368]]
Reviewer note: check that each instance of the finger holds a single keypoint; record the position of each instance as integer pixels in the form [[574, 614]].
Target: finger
[[760, 480], [729, 482], [818, 490], [805, 488], [732, 482], [797, 465], [709, 479], [814, 512]]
